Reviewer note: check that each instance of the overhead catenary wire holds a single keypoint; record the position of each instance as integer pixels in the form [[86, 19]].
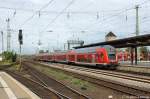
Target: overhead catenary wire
[[56, 12], [119, 14], [108, 18], [145, 2], [53, 20], [27, 20], [17, 9], [116, 21], [104, 20], [65, 11], [143, 20], [46, 5], [75, 12], [72, 12]]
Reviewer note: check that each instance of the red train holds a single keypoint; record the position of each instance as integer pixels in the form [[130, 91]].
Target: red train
[[102, 56]]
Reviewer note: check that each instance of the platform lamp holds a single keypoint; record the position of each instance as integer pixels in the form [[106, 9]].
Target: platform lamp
[[20, 39]]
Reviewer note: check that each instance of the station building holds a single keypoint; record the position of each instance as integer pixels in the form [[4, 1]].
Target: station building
[[110, 36]]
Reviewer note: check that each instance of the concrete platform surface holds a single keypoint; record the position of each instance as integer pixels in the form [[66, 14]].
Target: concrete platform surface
[[141, 67], [139, 63], [12, 89]]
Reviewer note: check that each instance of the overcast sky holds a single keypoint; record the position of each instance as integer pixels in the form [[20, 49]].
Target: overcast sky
[[88, 20]]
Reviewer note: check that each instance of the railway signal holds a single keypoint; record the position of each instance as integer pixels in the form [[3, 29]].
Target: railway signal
[[20, 39]]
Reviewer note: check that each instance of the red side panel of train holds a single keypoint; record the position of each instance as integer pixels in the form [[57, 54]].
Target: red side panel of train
[[101, 55], [71, 56]]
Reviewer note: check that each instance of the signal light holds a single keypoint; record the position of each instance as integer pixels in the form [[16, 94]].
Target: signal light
[[20, 37]]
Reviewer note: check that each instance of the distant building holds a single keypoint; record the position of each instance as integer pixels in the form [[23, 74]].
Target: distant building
[[110, 36], [57, 50]]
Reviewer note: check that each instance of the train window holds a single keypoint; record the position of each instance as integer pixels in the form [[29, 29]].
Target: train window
[[112, 56], [96, 55]]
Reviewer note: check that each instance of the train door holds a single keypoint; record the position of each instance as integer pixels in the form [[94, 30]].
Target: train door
[[97, 58], [100, 57], [93, 58]]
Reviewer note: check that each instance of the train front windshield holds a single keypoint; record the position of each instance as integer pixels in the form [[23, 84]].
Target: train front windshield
[[112, 56], [111, 52]]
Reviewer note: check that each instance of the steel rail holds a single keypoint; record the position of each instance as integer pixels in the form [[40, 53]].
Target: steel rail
[[27, 80], [37, 73], [134, 91], [113, 73]]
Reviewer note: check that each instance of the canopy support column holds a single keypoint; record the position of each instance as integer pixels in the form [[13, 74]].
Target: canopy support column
[[136, 59], [132, 50]]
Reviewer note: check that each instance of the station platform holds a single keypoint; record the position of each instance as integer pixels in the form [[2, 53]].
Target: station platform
[[139, 63], [12, 89], [141, 67]]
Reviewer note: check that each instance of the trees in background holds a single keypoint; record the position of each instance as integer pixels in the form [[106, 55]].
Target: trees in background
[[10, 56]]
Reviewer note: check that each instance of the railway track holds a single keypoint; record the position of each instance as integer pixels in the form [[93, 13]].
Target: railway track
[[124, 88], [52, 83], [40, 89], [113, 74]]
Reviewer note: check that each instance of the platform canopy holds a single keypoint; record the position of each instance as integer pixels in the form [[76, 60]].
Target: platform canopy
[[142, 40]]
